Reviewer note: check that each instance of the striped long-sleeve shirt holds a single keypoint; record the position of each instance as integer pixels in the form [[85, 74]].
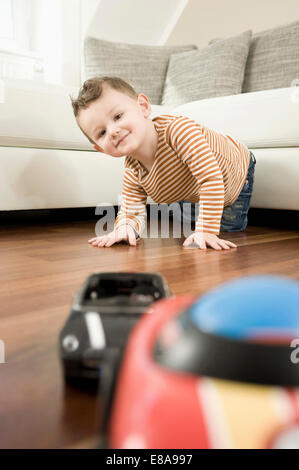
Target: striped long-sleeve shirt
[[192, 163]]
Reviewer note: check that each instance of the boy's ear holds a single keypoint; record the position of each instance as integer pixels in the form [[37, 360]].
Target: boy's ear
[[145, 104], [96, 147]]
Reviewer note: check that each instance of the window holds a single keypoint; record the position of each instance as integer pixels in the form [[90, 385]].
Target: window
[[40, 40], [6, 21], [16, 19], [18, 59]]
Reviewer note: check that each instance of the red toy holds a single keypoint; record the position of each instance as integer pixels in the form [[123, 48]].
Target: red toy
[[193, 379]]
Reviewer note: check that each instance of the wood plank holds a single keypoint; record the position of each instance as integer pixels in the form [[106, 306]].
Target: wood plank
[[42, 266]]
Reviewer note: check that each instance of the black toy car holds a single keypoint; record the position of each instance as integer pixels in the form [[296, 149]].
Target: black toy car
[[103, 313]]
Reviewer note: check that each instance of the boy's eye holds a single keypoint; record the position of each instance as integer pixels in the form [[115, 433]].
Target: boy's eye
[[117, 117]]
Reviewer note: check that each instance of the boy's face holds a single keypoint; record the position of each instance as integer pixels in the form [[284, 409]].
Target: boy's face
[[116, 122]]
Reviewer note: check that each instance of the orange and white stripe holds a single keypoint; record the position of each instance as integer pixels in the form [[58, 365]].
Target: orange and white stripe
[[248, 416], [193, 163]]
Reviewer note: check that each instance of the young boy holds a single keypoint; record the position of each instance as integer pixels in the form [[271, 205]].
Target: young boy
[[169, 158]]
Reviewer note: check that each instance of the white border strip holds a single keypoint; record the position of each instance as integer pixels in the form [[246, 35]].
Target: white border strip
[[95, 330]]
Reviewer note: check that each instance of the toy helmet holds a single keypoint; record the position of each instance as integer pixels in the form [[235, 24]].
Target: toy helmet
[[218, 371]]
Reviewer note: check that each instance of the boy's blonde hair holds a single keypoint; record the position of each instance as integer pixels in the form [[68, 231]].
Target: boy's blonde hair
[[93, 88]]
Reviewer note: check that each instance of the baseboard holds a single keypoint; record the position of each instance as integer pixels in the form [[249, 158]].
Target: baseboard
[[47, 216], [275, 218], [260, 217]]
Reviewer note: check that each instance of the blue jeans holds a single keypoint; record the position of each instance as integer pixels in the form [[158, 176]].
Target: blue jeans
[[234, 217]]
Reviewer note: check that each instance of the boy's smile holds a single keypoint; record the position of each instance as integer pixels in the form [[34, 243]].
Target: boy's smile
[[120, 125]]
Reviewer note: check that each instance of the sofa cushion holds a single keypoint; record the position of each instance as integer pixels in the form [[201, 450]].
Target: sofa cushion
[[273, 59], [41, 116], [216, 70], [259, 119], [144, 67]]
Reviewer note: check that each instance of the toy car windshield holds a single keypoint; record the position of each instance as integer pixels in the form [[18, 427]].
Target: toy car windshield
[[122, 289]]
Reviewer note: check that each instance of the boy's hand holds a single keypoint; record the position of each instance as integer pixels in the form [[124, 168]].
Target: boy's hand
[[124, 232], [204, 239]]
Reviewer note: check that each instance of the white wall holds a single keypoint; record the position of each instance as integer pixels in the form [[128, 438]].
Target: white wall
[[88, 9], [135, 21], [62, 25], [203, 20]]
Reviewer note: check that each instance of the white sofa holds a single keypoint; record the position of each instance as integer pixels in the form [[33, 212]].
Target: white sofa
[[46, 162]]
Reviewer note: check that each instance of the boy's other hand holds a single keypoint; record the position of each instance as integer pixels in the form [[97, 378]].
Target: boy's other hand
[[204, 239], [124, 232]]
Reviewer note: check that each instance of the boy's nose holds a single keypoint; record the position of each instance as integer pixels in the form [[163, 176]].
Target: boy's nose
[[114, 132]]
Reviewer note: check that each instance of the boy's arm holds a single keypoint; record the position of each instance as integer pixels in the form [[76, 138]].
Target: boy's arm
[[190, 144], [131, 217], [133, 203]]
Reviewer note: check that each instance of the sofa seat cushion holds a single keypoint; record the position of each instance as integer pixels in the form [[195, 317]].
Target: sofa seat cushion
[[41, 116], [259, 119], [38, 115]]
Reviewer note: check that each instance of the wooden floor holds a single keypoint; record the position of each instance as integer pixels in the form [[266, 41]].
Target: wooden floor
[[42, 266]]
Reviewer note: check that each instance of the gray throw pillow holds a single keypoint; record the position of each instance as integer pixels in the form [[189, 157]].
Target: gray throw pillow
[[273, 59], [144, 67], [216, 70]]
